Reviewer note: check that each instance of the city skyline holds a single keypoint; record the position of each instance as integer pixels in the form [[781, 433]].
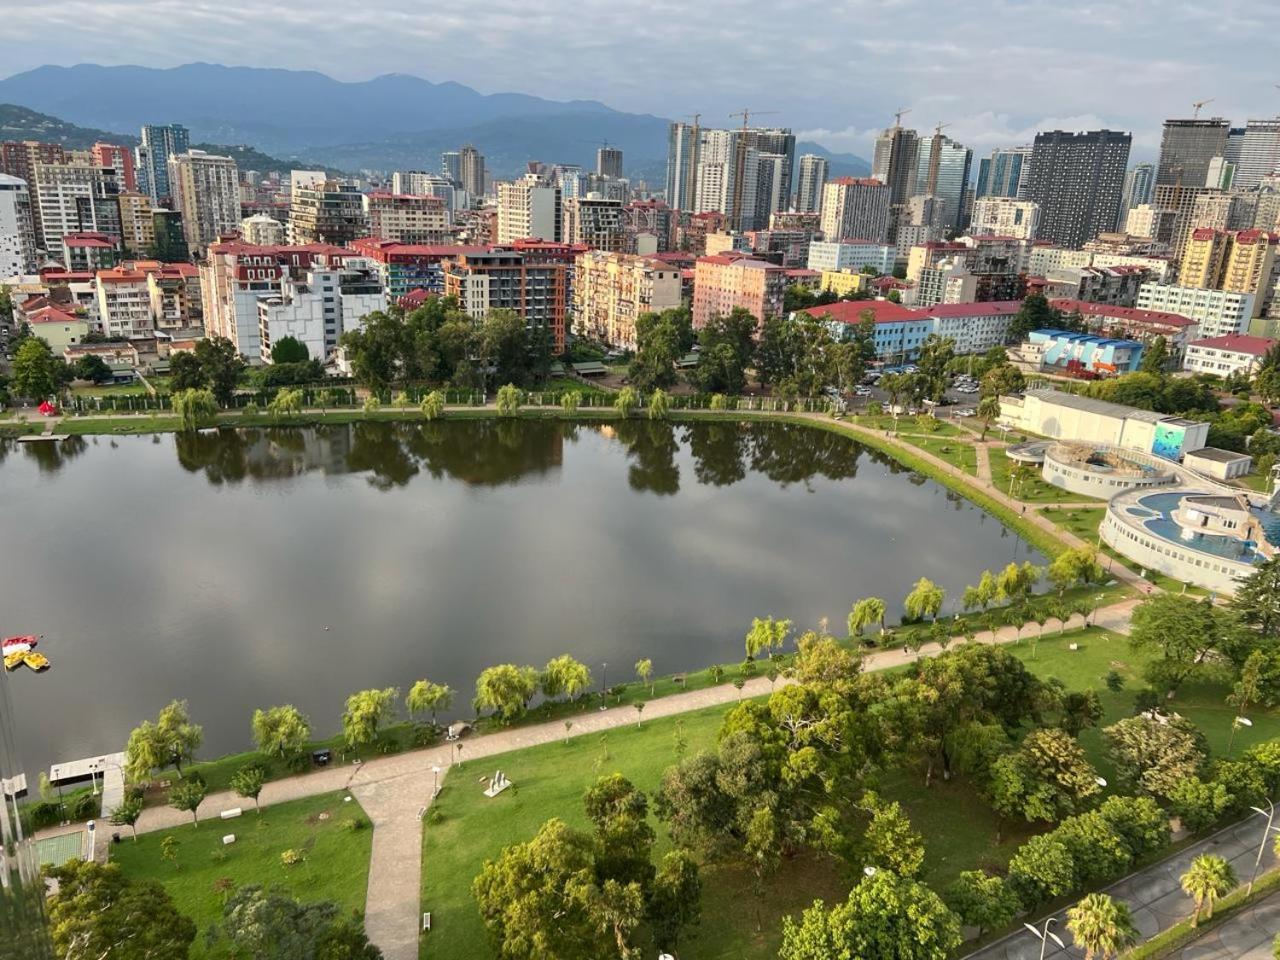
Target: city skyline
[[940, 70]]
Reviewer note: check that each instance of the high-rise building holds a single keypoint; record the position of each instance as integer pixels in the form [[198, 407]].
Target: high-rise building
[[942, 171], [328, 299], [767, 155], [1241, 261], [451, 166], [1203, 258], [159, 143], [170, 237], [331, 211], [1005, 217], [1077, 180], [1138, 185], [206, 191], [305, 180], [1004, 173], [419, 183], [137, 231], [1187, 147], [683, 143], [74, 196], [649, 225], [471, 170], [23, 923], [610, 290], [895, 163], [262, 231], [593, 221], [728, 281], [535, 288], [528, 208], [17, 232], [1222, 210], [1258, 153], [121, 159], [609, 162], [812, 178], [855, 209], [406, 218]]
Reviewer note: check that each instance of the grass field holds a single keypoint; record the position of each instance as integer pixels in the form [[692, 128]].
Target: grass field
[[1032, 489], [336, 866], [954, 451], [960, 830]]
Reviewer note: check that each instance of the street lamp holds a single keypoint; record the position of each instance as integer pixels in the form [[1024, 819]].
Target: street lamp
[[1270, 814], [1100, 781], [1046, 936], [1094, 616], [93, 778], [1236, 724], [435, 781], [604, 686]]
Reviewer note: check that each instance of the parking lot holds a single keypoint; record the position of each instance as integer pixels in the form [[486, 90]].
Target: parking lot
[[960, 399]]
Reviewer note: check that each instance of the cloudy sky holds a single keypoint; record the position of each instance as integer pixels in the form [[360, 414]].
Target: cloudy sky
[[996, 70]]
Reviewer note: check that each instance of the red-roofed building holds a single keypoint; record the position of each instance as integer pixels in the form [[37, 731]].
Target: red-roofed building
[[973, 327], [1132, 322], [410, 266], [89, 251], [414, 299], [1223, 356], [58, 328], [124, 303], [726, 281], [899, 331]]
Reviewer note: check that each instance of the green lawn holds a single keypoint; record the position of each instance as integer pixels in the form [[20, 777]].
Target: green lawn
[[336, 866], [134, 389], [905, 424], [565, 384], [1256, 481], [954, 451], [1033, 489]]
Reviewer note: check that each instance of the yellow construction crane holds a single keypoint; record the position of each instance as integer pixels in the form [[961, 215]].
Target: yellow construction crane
[[1197, 104]]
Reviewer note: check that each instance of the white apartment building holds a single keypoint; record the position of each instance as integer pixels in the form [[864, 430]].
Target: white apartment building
[[328, 300], [973, 327], [406, 218], [17, 235], [1044, 259], [595, 221], [69, 196], [262, 230], [528, 208], [1218, 312], [124, 303], [610, 290], [834, 256], [1005, 217], [206, 190], [948, 280], [1234, 353]]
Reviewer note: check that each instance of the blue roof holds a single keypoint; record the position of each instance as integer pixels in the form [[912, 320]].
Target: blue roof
[[1085, 338]]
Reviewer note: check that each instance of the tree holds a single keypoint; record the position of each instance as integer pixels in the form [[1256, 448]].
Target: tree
[[289, 350], [1199, 804], [565, 676], [1002, 380], [345, 940], [503, 345], [766, 636], [187, 794], [1181, 630], [506, 689], [185, 372], [644, 671], [1015, 584], [1072, 566], [623, 837], [286, 403], [570, 400], [509, 399], [432, 406], [425, 695], [258, 923], [726, 346], [1140, 821], [1034, 314], [248, 782], [659, 404], [280, 731], [92, 367], [988, 412], [366, 712], [1257, 598], [220, 366], [536, 898], [1080, 710], [675, 902], [195, 408], [1152, 753], [1208, 878], [660, 342], [889, 842], [763, 848], [1040, 869], [126, 814], [1101, 925], [626, 402], [99, 912], [36, 372], [864, 613], [982, 900], [1047, 778], [924, 600], [172, 739], [884, 916]]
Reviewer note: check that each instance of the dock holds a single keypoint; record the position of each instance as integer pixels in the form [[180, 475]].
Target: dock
[[109, 768], [36, 437]]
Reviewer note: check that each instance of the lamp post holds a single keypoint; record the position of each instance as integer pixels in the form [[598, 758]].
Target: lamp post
[[604, 685], [1046, 936], [1270, 814], [1236, 724], [435, 781], [1094, 615]]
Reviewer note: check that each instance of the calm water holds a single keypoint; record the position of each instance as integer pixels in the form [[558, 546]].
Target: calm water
[[249, 568]]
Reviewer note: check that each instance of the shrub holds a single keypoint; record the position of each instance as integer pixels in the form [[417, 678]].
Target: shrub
[[292, 857], [218, 856], [354, 824]]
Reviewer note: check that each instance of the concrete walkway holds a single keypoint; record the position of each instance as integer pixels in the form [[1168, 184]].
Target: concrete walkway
[[394, 790], [1246, 936], [984, 462], [1156, 899]]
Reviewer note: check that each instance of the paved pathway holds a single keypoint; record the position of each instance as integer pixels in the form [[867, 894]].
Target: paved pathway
[[1156, 899], [984, 462], [1246, 936]]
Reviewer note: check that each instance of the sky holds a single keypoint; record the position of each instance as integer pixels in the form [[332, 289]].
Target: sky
[[835, 71]]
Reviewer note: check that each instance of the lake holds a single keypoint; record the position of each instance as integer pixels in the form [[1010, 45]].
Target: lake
[[247, 568]]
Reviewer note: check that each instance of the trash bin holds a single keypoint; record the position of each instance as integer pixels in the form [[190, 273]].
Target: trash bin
[[321, 758]]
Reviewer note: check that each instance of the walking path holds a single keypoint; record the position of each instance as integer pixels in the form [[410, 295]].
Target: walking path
[[984, 462], [1157, 902], [1246, 936], [394, 790]]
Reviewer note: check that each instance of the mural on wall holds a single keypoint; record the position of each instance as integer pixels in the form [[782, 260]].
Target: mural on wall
[[1168, 441]]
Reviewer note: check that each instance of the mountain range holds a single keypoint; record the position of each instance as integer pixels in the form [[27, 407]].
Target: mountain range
[[390, 122]]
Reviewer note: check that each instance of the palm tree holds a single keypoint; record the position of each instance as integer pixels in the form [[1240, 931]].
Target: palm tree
[[1209, 877], [1102, 926], [988, 413]]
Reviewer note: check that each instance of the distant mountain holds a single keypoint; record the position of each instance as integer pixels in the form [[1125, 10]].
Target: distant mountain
[[390, 122], [19, 123]]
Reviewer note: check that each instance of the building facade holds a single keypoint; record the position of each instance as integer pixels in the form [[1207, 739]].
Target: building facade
[[839, 256], [331, 211], [724, 282], [529, 209], [1216, 312], [812, 178], [406, 218], [610, 290], [594, 221], [206, 190], [856, 209], [317, 308], [1077, 180], [535, 288], [17, 230], [159, 143], [1005, 217], [1223, 356]]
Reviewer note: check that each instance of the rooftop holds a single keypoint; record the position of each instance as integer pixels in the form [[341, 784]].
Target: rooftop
[[1101, 407], [851, 311], [1237, 343], [1218, 455], [1133, 314], [987, 308]]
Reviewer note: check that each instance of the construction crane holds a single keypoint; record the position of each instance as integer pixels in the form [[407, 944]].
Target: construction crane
[[695, 116], [899, 114], [937, 130], [1197, 104], [746, 116]]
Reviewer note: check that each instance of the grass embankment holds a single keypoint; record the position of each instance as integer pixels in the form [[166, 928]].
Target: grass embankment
[[954, 451], [336, 864], [1032, 487], [959, 828]]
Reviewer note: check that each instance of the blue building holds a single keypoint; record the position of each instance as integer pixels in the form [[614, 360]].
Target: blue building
[[159, 141], [1077, 353]]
